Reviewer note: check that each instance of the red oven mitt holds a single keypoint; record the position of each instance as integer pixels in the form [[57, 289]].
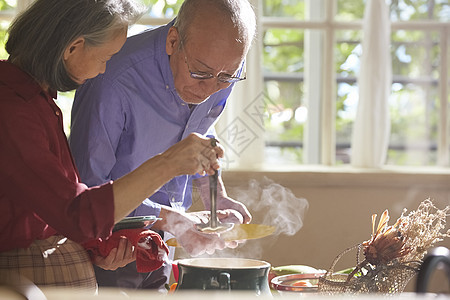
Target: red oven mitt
[[151, 249]]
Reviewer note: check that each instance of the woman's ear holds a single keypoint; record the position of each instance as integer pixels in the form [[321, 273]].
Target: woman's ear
[[74, 47], [172, 41]]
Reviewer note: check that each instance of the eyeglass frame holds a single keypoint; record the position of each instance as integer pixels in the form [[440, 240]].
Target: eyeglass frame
[[230, 79]]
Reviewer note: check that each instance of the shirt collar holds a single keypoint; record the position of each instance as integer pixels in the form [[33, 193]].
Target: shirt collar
[[16, 79], [163, 58]]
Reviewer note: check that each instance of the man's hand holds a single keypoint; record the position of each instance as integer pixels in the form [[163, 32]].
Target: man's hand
[[223, 201], [232, 207], [183, 227], [230, 216], [197, 243], [224, 216]]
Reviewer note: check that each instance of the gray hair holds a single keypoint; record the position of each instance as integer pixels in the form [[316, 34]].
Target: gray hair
[[240, 13], [39, 36]]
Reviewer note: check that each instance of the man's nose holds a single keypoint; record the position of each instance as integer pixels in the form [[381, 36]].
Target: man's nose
[[213, 85]]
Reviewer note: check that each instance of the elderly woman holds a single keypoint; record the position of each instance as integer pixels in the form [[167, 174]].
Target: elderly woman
[[45, 210]]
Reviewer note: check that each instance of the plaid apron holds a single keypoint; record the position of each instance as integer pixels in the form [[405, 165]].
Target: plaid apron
[[56, 261]]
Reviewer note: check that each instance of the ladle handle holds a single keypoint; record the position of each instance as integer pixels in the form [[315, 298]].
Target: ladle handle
[[213, 197]]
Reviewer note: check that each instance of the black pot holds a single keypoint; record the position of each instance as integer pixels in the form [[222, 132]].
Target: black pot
[[224, 274], [435, 257]]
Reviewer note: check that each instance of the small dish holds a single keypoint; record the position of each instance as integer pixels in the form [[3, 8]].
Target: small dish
[[135, 222], [305, 283]]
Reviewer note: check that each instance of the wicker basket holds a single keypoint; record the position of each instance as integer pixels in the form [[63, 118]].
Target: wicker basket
[[385, 279]]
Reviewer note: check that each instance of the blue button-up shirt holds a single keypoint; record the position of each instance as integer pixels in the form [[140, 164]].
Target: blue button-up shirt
[[132, 112]]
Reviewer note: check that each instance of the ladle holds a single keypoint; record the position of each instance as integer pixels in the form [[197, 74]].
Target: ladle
[[214, 225]]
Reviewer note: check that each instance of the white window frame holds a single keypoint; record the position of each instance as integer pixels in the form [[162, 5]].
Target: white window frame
[[319, 138], [320, 80]]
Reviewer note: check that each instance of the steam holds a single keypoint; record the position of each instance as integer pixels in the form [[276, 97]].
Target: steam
[[277, 205], [270, 204]]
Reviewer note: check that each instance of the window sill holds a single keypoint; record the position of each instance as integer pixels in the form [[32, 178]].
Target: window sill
[[325, 176]]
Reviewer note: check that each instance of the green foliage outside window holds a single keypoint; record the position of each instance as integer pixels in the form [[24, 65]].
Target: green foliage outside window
[[163, 8], [414, 104], [284, 8], [3, 36], [283, 54], [400, 10], [4, 6]]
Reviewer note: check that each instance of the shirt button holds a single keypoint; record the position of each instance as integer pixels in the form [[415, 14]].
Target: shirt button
[[167, 87], [57, 113]]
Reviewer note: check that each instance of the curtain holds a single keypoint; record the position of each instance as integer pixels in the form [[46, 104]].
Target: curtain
[[240, 129], [371, 129]]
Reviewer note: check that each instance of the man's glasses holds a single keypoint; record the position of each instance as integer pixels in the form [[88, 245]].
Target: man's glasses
[[222, 77]]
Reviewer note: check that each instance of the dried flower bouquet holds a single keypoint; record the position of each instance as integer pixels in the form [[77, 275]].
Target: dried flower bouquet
[[393, 254]]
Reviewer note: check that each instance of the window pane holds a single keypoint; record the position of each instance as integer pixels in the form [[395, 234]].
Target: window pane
[[163, 8], [416, 54], [408, 10], [3, 28], [283, 64], [400, 10], [64, 102], [414, 113], [8, 4], [5, 5], [414, 104], [283, 50], [284, 8], [347, 57], [284, 122], [350, 10]]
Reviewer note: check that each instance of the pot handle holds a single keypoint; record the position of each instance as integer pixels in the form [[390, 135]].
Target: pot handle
[[224, 281], [436, 256]]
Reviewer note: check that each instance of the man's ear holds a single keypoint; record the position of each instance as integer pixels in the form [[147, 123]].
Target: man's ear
[[74, 47], [172, 41]]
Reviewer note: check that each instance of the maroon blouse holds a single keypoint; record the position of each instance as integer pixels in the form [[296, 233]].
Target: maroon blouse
[[40, 190]]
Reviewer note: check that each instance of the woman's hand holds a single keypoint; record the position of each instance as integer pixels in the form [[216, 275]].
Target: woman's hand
[[195, 154], [118, 257]]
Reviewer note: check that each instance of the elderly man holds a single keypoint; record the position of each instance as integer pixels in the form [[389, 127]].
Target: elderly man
[[164, 84]]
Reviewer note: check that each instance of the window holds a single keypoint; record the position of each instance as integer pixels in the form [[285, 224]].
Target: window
[[311, 60], [310, 52]]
